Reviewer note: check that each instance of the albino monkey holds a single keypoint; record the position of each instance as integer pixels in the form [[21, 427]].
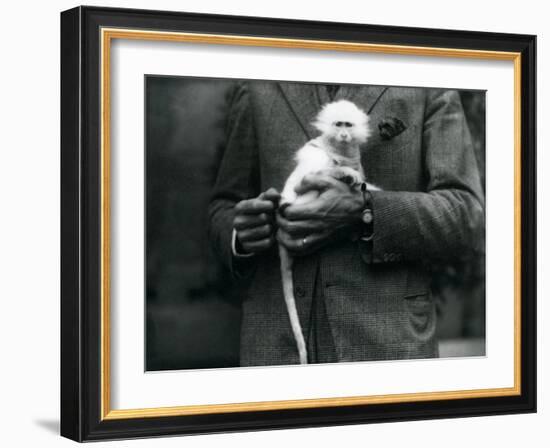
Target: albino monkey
[[336, 152]]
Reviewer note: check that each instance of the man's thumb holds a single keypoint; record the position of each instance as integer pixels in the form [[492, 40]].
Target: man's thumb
[[270, 195], [313, 182]]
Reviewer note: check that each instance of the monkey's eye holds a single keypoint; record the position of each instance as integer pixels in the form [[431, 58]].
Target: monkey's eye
[[347, 124], [338, 124]]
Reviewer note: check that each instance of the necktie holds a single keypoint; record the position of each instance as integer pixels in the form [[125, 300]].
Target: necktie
[[332, 90]]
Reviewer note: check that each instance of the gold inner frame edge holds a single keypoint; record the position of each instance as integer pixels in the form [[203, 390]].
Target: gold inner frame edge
[[106, 36]]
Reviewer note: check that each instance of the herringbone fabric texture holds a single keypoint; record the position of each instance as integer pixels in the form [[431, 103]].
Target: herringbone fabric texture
[[377, 296]]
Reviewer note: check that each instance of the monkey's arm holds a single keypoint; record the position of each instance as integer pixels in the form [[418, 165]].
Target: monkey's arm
[[237, 179], [446, 221]]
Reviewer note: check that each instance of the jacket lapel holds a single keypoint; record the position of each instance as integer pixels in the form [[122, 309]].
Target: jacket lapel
[[305, 100], [365, 97], [304, 103]]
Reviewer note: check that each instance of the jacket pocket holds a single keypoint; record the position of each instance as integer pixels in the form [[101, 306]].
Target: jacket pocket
[[421, 313]]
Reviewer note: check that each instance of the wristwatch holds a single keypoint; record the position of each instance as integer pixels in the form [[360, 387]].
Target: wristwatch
[[367, 217]]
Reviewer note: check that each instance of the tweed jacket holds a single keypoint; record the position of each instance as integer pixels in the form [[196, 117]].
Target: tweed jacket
[[431, 209]]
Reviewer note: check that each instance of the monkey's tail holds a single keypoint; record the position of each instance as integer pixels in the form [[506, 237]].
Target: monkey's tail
[[290, 301]]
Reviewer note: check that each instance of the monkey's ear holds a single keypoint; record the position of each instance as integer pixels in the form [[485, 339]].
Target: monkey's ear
[[322, 126], [390, 127]]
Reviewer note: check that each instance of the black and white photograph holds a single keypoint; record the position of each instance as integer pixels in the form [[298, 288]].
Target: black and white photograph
[[282, 224], [294, 223]]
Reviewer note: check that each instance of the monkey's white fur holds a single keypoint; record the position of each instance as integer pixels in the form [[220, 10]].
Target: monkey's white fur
[[344, 128]]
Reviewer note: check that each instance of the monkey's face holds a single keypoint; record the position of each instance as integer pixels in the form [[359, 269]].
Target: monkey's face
[[342, 134], [343, 125]]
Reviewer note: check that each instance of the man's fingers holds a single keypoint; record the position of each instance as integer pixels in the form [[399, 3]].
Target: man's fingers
[[303, 212], [255, 233], [266, 202], [317, 182], [254, 206], [300, 228], [271, 195], [258, 246], [248, 221], [313, 240], [302, 245]]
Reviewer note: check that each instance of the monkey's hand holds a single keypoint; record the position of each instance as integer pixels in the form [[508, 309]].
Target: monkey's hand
[[254, 222], [304, 228], [345, 174]]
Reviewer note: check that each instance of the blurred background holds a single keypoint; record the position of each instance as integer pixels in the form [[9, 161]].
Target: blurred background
[[193, 310]]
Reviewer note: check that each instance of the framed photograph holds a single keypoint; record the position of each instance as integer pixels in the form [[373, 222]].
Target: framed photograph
[[274, 224]]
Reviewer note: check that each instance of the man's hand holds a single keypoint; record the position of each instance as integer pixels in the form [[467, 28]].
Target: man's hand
[[304, 228], [254, 221]]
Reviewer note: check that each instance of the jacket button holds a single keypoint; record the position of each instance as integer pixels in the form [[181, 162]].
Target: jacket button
[[300, 291]]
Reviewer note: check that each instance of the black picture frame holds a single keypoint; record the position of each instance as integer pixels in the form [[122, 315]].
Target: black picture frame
[[81, 224]]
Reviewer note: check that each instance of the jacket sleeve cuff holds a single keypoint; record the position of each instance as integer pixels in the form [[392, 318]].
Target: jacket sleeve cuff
[[369, 244], [242, 264], [234, 247]]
